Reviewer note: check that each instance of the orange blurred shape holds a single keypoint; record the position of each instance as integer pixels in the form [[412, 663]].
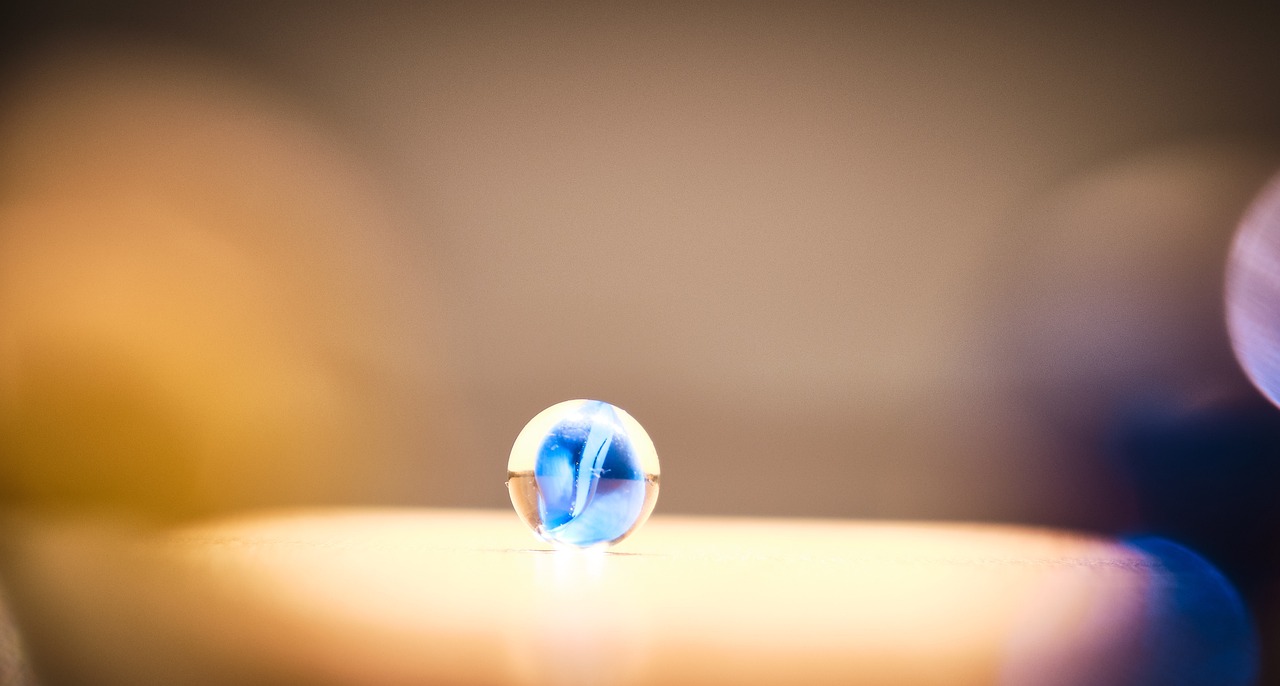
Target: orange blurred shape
[[199, 305]]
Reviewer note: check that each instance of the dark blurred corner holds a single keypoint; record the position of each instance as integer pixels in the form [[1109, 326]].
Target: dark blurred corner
[[910, 261]]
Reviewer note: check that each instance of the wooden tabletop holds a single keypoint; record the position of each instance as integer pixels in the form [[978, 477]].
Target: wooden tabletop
[[470, 597]]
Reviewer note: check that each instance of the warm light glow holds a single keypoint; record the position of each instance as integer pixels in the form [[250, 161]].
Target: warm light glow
[[389, 596]]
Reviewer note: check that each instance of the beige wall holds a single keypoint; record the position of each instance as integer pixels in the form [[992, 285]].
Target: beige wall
[[854, 262]]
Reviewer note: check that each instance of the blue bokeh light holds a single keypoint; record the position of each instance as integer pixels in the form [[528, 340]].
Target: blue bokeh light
[[1253, 292], [1198, 632]]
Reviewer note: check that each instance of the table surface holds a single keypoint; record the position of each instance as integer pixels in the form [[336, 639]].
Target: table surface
[[470, 597]]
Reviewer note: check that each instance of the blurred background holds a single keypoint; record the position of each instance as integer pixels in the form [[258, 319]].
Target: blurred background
[[926, 261]]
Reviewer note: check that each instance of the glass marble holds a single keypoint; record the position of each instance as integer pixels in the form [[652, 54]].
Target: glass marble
[[583, 474]]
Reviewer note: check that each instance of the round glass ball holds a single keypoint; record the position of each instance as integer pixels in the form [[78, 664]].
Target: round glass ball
[[583, 474]]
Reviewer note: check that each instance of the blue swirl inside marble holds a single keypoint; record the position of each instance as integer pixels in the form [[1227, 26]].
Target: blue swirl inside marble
[[591, 487]]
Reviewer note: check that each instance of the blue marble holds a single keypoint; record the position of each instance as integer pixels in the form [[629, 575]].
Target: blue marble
[[593, 477]]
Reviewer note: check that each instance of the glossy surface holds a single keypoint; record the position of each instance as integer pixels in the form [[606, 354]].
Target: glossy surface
[[583, 473], [418, 596]]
